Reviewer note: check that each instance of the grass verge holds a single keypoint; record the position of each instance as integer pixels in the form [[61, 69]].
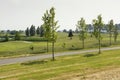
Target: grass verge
[[63, 68]]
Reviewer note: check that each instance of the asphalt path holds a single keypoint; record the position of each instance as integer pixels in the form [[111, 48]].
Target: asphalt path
[[44, 56]]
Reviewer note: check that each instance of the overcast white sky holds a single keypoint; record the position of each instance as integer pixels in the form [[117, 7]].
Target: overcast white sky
[[19, 14]]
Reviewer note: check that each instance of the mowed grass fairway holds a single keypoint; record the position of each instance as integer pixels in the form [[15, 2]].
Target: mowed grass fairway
[[105, 66], [63, 43]]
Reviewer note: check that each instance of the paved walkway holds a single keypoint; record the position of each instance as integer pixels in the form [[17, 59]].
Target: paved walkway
[[30, 58]]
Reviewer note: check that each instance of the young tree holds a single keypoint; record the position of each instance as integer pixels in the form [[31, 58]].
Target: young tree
[[47, 29], [27, 32], [81, 26], [54, 27], [98, 24], [110, 28], [32, 30], [115, 33], [38, 31], [70, 34], [51, 26]]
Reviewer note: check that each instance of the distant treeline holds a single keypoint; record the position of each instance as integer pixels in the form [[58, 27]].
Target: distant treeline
[[32, 31]]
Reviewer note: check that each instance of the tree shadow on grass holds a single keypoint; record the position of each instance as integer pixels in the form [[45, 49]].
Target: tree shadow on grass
[[75, 48], [34, 62], [38, 52], [90, 55], [105, 45]]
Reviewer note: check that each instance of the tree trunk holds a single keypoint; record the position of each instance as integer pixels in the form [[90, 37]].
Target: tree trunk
[[99, 46], [47, 46], [115, 36], [83, 43], [53, 51], [99, 42], [110, 38], [83, 39]]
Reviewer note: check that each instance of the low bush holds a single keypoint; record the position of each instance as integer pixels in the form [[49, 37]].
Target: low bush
[[35, 39]]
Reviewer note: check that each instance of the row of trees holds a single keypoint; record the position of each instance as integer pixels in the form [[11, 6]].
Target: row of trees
[[98, 25], [49, 27], [112, 30], [11, 32], [16, 37], [32, 31]]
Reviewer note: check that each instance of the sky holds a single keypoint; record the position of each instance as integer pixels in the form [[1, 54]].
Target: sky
[[20, 14]]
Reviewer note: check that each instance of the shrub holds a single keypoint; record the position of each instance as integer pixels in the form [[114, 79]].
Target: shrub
[[6, 37]]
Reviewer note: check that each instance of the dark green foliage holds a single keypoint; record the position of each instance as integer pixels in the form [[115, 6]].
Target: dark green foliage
[[41, 31], [6, 37], [32, 30], [38, 31], [13, 32], [8, 31], [115, 33], [32, 48], [27, 32], [35, 39], [110, 29], [64, 30], [17, 35], [70, 34]]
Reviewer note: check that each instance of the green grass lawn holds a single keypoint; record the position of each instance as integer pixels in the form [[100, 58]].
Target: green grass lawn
[[62, 68], [22, 48]]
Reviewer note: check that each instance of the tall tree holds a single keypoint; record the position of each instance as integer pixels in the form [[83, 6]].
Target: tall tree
[[41, 31], [51, 26], [32, 30], [70, 34], [38, 31], [115, 33], [98, 24], [110, 28], [27, 32], [81, 26]]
